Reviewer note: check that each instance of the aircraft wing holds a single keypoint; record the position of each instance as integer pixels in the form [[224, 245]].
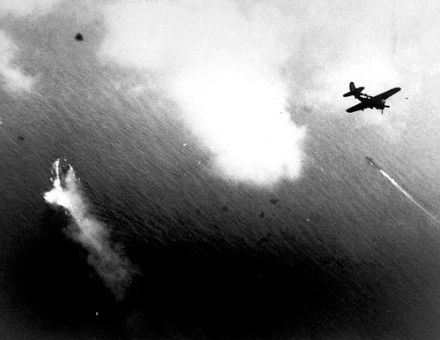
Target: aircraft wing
[[386, 94], [358, 107]]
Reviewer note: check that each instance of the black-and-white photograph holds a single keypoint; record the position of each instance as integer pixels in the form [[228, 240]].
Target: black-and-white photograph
[[219, 169]]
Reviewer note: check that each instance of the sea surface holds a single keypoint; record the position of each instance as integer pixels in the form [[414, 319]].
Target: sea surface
[[337, 253]]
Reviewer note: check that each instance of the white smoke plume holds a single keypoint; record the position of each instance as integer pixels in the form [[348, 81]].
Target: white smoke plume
[[221, 62], [11, 76], [93, 235]]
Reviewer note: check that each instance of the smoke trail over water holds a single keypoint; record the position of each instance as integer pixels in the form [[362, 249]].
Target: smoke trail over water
[[112, 267], [407, 195]]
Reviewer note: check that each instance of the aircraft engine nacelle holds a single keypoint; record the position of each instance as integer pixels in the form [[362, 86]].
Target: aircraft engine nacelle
[[383, 103]]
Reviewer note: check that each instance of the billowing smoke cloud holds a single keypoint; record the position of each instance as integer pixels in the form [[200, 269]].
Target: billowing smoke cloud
[[221, 63], [11, 76], [220, 60], [86, 229]]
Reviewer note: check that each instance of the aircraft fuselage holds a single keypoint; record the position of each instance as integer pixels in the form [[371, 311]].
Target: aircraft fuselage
[[366, 101], [373, 103]]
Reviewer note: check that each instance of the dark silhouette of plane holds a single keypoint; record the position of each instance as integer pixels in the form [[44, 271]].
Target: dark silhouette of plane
[[369, 102]]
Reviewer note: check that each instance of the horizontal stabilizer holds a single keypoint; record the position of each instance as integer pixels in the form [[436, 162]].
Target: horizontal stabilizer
[[355, 92]]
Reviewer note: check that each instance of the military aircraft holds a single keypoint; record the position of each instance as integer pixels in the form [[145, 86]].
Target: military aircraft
[[369, 102]]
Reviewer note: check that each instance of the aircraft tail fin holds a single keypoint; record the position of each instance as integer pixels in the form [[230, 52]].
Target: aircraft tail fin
[[354, 91], [352, 87]]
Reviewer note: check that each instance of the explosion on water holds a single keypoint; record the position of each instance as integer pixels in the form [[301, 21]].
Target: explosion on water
[[86, 229]]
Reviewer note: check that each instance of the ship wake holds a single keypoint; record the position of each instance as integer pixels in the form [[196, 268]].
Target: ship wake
[[408, 195]]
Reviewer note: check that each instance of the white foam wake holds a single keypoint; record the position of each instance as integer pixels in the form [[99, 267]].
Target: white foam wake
[[92, 234], [407, 195]]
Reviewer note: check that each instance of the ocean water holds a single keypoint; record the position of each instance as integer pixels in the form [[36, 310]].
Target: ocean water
[[338, 253]]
